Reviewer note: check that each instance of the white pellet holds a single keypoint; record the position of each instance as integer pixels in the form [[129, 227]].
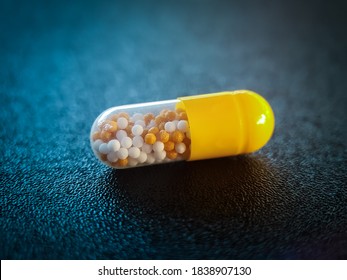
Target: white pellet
[[113, 145], [180, 148], [97, 144], [140, 122], [121, 134], [160, 155], [122, 123], [158, 146], [137, 117], [138, 141], [137, 129], [150, 159], [147, 148], [132, 162], [183, 126], [126, 142], [122, 153], [142, 158], [170, 127], [103, 148], [134, 152], [112, 156]]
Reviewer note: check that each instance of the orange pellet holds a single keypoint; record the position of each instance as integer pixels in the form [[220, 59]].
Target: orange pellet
[[186, 154], [96, 135], [148, 117], [169, 146], [183, 116], [161, 126], [159, 119], [177, 136], [186, 141], [105, 136], [114, 117], [170, 115], [110, 126], [163, 112], [164, 136], [153, 130], [103, 157], [128, 130], [122, 162], [145, 131], [150, 138], [171, 154], [124, 115]]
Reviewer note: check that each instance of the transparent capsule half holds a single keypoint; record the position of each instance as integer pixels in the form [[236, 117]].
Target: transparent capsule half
[[142, 134], [188, 128]]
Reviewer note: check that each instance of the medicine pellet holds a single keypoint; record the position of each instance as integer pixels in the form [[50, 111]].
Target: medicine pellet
[[188, 128]]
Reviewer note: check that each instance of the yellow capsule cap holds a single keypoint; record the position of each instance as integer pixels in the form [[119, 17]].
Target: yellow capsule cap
[[227, 123]]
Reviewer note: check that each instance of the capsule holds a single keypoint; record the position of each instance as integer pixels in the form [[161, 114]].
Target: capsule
[[187, 128]]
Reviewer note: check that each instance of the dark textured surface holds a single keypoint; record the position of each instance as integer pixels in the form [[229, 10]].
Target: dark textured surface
[[63, 63]]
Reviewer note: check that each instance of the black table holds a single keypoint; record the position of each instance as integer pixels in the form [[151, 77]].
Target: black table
[[63, 63]]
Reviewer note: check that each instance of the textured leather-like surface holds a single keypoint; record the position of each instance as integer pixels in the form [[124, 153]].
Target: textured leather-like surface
[[63, 63]]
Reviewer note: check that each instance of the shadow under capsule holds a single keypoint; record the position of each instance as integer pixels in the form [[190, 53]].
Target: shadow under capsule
[[242, 186]]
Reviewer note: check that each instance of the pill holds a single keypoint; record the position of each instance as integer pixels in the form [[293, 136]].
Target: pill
[[122, 123], [180, 148], [112, 156], [158, 146], [103, 148], [137, 129], [123, 153], [126, 142], [132, 162], [120, 134], [147, 148], [187, 128], [137, 117], [142, 158], [134, 152], [138, 141], [183, 125], [113, 145], [170, 126]]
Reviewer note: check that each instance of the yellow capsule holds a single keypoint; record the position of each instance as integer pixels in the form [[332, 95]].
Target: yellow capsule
[[215, 125], [245, 123]]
